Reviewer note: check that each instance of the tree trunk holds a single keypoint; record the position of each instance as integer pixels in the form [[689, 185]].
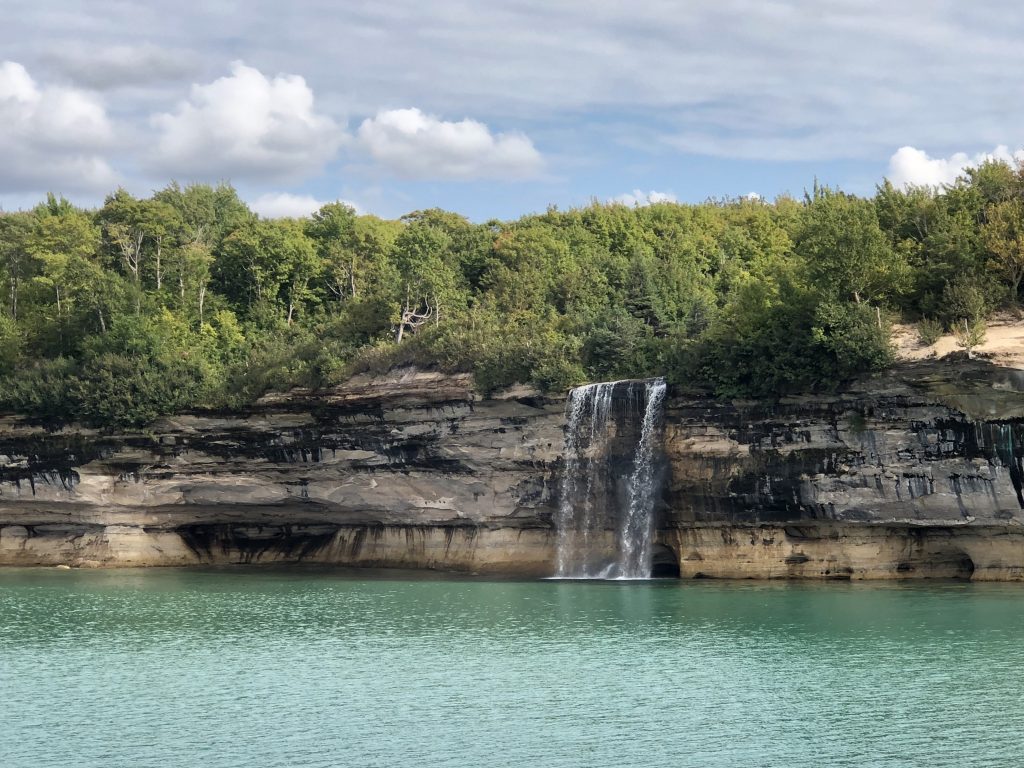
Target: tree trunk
[[159, 273]]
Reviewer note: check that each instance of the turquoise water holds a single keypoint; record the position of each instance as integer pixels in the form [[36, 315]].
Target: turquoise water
[[238, 667]]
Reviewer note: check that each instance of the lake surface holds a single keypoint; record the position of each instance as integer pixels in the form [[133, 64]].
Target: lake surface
[[261, 668]]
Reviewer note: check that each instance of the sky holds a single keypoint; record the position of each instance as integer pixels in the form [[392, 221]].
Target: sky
[[502, 108]]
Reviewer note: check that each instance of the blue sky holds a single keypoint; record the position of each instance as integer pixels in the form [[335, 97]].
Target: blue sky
[[502, 108]]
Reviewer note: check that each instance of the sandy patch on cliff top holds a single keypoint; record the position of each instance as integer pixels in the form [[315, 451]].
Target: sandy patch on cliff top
[[1004, 343]]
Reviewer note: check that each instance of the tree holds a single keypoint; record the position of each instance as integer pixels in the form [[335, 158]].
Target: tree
[[1003, 234], [124, 226], [429, 282], [209, 214], [847, 254], [190, 268], [265, 262], [139, 233], [302, 265], [332, 229], [10, 344], [969, 334], [15, 256], [521, 269], [248, 266], [64, 279]]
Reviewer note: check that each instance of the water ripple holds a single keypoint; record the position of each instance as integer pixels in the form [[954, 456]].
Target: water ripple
[[227, 668]]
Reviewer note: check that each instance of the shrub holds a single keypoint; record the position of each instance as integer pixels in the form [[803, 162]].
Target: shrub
[[929, 331], [963, 298], [42, 392], [119, 391], [855, 338], [969, 334]]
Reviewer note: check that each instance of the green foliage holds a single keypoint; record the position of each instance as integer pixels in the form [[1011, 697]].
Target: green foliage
[[130, 392], [620, 346], [778, 339], [42, 391], [10, 345], [186, 299], [1003, 235], [929, 331], [850, 339], [964, 299], [969, 334], [847, 254]]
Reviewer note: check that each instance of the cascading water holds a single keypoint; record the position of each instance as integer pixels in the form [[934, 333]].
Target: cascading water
[[589, 506], [637, 532]]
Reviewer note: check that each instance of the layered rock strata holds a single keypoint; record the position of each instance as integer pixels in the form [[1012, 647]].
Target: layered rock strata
[[916, 473]]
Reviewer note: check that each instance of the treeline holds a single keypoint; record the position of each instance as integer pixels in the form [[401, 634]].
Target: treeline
[[187, 299]]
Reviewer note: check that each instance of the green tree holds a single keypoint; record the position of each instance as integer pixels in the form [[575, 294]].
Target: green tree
[[208, 213], [1003, 234], [15, 256], [266, 262], [429, 280], [847, 254], [332, 229]]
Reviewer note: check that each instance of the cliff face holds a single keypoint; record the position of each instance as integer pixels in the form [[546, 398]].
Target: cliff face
[[409, 470], [917, 473]]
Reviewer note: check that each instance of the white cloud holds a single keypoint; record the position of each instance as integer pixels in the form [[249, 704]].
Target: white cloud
[[639, 198], [280, 205], [51, 138], [910, 166], [416, 145], [246, 126]]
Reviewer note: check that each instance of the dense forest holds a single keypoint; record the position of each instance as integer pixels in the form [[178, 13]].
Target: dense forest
[[185, 300]]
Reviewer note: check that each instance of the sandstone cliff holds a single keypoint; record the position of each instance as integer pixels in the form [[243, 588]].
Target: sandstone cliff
[[915, 473]]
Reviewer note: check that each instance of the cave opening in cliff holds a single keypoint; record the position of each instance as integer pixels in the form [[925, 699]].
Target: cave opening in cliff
[[964, 568], [936, 554], [664, 563]]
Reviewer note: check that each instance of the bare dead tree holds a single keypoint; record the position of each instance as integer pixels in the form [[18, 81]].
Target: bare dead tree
[[412, 317], [129, 241]]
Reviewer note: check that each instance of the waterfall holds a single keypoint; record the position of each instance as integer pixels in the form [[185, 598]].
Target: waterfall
[[637, 532], [591, 503]]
